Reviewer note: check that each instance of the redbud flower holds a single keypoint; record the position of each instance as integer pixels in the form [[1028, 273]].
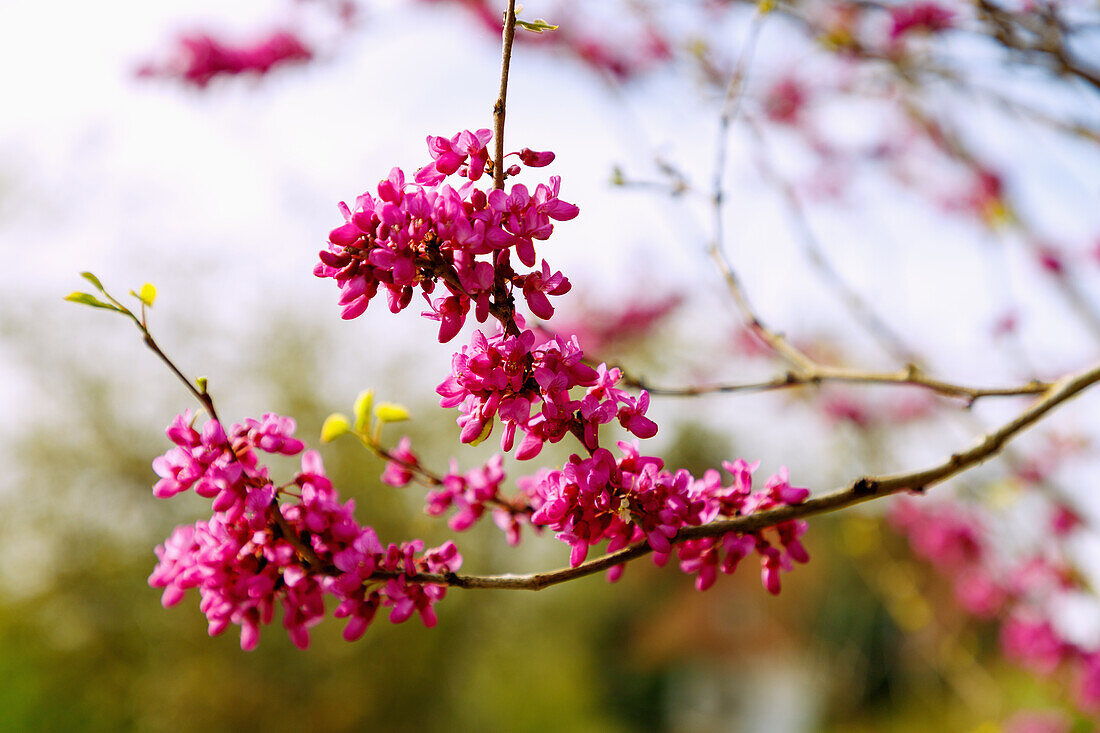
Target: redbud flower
[[200, 57], [249, 557], [919, 16]]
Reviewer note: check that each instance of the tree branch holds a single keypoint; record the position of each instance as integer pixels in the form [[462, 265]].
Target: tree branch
[[911, 376], [861, 490], [502, 99]]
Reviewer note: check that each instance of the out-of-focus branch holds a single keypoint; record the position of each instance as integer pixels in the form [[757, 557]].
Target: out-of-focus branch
[[1067, 286], [1043, 35], [911, 376], [730, 107], [854, 303]]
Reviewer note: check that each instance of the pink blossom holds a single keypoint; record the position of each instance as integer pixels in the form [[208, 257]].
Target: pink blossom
[[922, 15], [528, 388], [1033, 643], [426, 234], [621, 501], [538, 285], [399, 472], [243, 561], [785, 101], [200, 58], [1065, 520]]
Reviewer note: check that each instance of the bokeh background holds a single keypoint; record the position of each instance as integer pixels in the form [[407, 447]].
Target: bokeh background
[[222, 197]]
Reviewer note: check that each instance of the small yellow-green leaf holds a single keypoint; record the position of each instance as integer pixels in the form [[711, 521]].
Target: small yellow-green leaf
[[201, 382], [363, 404], [89, 299], [484, 433], [389, 412], [147, 294], [538, 25], [335, 425], [93, 280]]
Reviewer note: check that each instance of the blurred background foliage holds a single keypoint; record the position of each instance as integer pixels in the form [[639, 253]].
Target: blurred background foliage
[[864, 639]]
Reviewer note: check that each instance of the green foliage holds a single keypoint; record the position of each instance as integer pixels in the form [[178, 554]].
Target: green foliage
[[89, 299], [538, 25]]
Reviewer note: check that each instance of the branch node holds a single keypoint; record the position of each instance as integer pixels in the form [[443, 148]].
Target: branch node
[[865, 487]]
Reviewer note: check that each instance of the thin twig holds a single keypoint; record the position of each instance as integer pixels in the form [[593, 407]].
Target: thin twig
[[911, 376], [856, 305], [730, 108], [500, 107], [1067, 285]]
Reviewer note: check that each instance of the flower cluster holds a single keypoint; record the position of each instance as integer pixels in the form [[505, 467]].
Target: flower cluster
[[469, 494], [621, 501], [201, 57], [255, 551], [954, 543], [777, 546], [920, 16], [419, 234], [527, 384], [1020, 592]]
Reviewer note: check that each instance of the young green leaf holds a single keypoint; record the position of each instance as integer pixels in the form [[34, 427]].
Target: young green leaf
[[89, 299], [389, 412], [93, 280], [538, 25], [334, 426], [362, 407]]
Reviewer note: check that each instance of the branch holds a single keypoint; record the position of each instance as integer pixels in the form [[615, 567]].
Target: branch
[[856, 305], [911, 376], [1067, 285], [857, 492], [1049, 39], [502, 99], [730, 108]]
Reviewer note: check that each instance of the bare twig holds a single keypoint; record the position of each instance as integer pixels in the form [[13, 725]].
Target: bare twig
[[1067, 285], [1044, 36], [911, 376], [730, 108], [856, 305], [500, 107]]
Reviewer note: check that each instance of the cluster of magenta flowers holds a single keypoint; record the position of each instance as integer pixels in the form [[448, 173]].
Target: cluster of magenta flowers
[[296, 543], [920, 16], [418, 234], [527, 384], [1019, 592], [622, 501], [201, 58], [468, 494], [256, 552], [626, 500]]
